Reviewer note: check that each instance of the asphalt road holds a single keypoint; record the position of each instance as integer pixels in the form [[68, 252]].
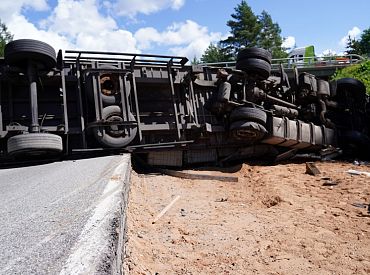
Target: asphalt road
[[45, 208]]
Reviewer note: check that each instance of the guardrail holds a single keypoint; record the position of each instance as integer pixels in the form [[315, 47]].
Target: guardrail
[[303, 62]]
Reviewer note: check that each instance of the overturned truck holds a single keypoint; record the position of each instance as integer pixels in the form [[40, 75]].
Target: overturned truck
[[168, 112]]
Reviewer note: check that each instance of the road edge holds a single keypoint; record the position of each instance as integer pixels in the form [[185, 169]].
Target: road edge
[[99, 249], [117, 265]]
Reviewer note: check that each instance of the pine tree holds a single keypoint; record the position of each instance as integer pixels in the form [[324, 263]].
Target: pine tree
[[214, 53], [365, 42], [244, 29], [249, 30], [353, 46], [269, 37], [195, 61], [360, 46], [5, 37]]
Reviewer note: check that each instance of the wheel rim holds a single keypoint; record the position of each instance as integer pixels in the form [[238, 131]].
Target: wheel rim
[[109, 84], [246, 133], [116, 134], [115, 130]]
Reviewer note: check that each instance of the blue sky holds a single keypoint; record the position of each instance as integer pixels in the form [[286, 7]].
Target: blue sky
[[178, 27]]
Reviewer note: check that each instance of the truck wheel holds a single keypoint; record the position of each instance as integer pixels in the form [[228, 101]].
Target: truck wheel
[[109, 87], [35, 144], [18, 52], [247, 131], [353, 86], [115, 136], [351, 83], [254, 53], [258, 67], [248, 114]]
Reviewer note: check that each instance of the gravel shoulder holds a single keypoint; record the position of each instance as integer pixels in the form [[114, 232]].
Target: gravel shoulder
[[274, 220]]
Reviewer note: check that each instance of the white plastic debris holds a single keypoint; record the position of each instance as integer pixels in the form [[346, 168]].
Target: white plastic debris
[[357, 173]]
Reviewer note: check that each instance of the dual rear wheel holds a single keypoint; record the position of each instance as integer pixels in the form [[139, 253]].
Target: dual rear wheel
[[33, 58], [256, 62], [248, 124]]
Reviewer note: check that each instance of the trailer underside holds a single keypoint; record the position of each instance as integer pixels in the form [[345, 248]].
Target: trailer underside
[[168, 112]]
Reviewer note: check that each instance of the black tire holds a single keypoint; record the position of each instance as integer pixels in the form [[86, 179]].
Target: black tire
[[18, 52], [247, 131], [114, 138], [109, 85], [35, 144], [351, 83], [354, 86], [257, 53], [253, 66], [248, 114]]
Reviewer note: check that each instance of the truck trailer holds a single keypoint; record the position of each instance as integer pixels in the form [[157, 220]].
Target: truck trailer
[[56, 104]]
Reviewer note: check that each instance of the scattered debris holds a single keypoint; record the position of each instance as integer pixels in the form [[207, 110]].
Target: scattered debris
[[165, 209], [358, 173], [330, 183], [330, 153], [221, 200], [311, 169], [360, 205], [286, 155]]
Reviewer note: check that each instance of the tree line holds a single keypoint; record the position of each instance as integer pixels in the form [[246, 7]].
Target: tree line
[[5, 37], [247, 30], [359, 46], [250, 30]]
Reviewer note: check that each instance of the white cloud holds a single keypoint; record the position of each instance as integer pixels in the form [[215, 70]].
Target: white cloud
[[353, 33], [21, 28], [74, 25], [289, 42], [79, 24], [132, 7], [189, 38], [10, 7], [177, 4], [114, 41], [73, 17], [194, 49], [146, 36]]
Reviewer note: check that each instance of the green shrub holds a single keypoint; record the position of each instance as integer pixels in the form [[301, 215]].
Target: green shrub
[[359, 71]]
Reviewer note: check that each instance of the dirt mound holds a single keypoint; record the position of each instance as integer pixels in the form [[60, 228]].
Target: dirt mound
[[274, 220]]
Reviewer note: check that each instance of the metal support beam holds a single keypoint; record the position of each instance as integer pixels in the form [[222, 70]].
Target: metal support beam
[[136, 106], [192, 100], [31, 72], [173, 98], [65, 107], [82, 119]]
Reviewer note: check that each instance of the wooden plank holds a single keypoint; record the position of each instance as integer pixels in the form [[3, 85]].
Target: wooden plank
[[160, 215], [185, 175]]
